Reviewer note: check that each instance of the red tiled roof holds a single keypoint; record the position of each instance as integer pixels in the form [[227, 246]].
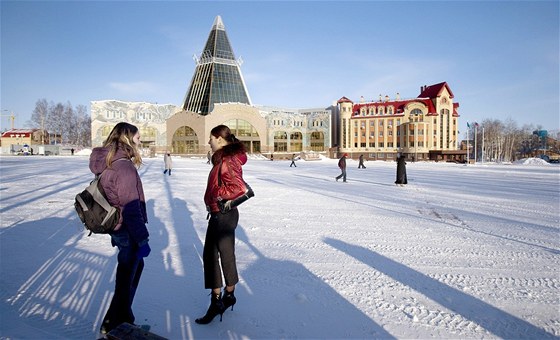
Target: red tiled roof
[[21, 132], [433, 91], [426, 97], [398, 105], [344, 100], [455, 112]]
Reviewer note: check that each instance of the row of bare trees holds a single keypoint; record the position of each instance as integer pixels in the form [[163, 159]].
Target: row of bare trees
[[72, 124], [498, 141]]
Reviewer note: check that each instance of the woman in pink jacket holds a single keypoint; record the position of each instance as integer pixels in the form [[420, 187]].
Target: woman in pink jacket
[[118, 159]]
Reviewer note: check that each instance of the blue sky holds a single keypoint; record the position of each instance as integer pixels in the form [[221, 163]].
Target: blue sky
[[500, 58]]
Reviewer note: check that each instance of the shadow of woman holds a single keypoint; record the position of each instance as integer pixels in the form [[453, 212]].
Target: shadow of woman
[[494, 320], [284, 299]]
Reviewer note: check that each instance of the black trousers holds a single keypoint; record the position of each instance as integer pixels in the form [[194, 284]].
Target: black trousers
[[129, 270], [219, 250]]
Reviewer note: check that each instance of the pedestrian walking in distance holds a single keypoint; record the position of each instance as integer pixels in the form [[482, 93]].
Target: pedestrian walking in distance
[[168, 163], [342, 166], [361, 162], [293, 160], [401, 170]]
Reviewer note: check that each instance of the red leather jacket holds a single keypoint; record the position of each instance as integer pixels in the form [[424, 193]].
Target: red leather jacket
[[228, 161]]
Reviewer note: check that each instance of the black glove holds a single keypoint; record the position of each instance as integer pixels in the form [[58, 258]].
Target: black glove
[[226, 206]]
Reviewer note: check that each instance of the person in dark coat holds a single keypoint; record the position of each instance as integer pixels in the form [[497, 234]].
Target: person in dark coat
[[120, 157], [401, 170], [361, 164], [225, 184], [342, 166]]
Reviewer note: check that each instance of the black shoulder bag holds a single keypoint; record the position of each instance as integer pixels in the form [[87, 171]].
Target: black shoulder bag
[[227, 205]]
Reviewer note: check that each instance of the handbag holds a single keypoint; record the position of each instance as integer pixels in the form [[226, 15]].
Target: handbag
[[227, 205]]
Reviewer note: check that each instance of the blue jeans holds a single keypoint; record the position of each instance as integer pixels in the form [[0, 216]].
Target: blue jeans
[[342, 175], [129, 270]]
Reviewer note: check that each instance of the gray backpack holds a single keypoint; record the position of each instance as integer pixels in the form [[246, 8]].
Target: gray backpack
[[93, 209]]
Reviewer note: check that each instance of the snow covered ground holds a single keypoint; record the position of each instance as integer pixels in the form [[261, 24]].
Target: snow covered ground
[[464, 252]]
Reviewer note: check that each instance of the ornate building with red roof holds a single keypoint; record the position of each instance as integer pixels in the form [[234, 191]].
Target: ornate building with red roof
[[422, 128]]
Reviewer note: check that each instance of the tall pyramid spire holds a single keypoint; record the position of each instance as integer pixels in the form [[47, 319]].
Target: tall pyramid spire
[[217, 77]]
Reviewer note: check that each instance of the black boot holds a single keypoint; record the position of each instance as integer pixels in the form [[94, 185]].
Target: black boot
[[229, 300], [216, 307]]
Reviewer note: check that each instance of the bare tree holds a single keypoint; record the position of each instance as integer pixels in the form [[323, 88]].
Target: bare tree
[[73, 125], [39, 115], [83, 126], [55, 120]]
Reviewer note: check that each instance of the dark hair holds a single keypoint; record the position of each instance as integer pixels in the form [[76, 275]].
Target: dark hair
[[234, 145], [224, 132], [122, 136]]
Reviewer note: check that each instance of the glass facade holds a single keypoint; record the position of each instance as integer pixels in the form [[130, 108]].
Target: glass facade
[[246, 133], [217, 77]]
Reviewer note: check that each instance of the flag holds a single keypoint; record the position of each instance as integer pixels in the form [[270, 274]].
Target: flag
[[475, 124], [468, 125]]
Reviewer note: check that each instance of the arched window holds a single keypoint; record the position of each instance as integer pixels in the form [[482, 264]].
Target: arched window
[[184, 141], [296, 140], [106, 130], [416, 112], [280, 141], [317, 141], [246, 133], [148, 134]]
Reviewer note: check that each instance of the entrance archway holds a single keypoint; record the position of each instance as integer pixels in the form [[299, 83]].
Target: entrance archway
[[185, 141]]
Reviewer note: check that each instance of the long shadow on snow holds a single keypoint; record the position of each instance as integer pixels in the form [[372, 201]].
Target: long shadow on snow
[[51, 288], [297, 303], [496, 321], [78, 182]]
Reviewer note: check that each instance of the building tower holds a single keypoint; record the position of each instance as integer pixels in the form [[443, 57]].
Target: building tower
[[217, 77]]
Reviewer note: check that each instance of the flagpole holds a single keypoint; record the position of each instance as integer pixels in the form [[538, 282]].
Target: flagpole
[[468, 128], [483, 144], [475, 124]]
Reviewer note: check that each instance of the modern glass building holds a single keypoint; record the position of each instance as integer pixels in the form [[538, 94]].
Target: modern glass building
[[217, 77], [218, 95]]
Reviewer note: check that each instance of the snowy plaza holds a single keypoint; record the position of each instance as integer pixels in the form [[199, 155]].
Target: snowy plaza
[[464, 252]]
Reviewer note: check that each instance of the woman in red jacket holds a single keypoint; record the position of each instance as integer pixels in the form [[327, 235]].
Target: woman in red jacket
[[225, 185]]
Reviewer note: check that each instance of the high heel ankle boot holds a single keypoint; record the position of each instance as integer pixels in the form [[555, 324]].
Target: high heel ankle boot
[[229, 300], [216, 307]]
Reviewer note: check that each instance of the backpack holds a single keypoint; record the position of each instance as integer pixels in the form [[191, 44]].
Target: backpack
[[93, 209]]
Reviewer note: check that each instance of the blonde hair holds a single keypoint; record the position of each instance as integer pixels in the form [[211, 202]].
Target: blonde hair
[[122, 137]]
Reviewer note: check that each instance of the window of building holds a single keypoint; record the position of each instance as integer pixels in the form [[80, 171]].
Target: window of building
[[184, 140], [280, 141], [296, 140], [317, 141]]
